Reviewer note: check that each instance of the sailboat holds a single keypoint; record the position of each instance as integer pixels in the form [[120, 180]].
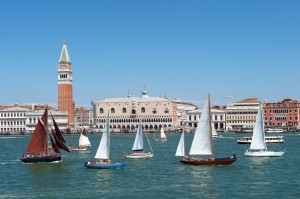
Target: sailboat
[[39, 149], [163, 136], [258, 145], [202, 144], [103, 153], [138, 147], [84, 142]]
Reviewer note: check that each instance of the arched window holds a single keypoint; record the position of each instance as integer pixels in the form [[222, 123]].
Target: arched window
[[124, 110], [154, 111], [143, 110], [101, 110], [166, 110], [112, 110], [133, 111]]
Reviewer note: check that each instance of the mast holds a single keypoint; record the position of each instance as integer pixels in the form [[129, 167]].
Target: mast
[[211, 135], [108, 137]]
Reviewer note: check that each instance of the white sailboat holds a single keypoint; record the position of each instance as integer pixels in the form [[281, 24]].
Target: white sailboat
[[103, 153], [214, 132], [202, 144], [84, 142], [138, 146], [258, 145], [163, 136], [180, 152]]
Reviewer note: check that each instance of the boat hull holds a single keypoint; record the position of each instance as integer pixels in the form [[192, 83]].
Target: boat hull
[[37, 159], [264, 153], [160, 140], [216, 161], [104, 166], [139, 155], [79, 149]]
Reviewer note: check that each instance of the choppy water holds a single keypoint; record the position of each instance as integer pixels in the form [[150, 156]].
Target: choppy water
[[161, 177]]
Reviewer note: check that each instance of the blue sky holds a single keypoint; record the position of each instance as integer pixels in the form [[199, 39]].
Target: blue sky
[[183, 49]]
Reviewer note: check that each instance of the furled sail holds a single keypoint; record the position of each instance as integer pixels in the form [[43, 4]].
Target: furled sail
[[138, 142], [202, 142]]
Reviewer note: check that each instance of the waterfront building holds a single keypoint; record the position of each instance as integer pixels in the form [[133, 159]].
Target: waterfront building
[[282, 114], [125, 113], [65, 89], [32, 117], [83, 118], [240, 116], [217, 114], [12, 119]]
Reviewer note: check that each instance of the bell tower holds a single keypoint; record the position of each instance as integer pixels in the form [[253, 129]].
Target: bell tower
[[65, 90]]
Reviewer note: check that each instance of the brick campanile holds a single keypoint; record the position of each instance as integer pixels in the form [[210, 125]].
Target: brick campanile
[[65, 90]]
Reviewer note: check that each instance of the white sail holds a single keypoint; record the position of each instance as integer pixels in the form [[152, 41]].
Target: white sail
[[162, 134], [258, 137], [214, 132], [181, 148], [202, 142], [84, 141], [138, 142], [103, 149]]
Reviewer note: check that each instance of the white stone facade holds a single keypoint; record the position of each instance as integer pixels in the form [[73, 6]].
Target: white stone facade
[[12, 120]]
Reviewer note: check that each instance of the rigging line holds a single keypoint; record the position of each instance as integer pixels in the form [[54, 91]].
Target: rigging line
[[148, 142]]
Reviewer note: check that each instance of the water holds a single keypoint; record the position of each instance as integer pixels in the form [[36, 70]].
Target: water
[[161, 177]]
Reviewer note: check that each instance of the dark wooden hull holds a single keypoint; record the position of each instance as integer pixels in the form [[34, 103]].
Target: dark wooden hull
[[36, 159], [216, 161]]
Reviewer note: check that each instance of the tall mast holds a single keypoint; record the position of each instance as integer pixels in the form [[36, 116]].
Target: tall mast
[[211, 136], [108, 138]]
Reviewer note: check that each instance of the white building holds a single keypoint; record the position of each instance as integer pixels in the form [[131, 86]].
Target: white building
[[32, 117], [125, 113], [218, 119], [12, 120], [240, 116]]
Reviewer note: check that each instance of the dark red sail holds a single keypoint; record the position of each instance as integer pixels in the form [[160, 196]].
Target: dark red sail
[[54, 146], [84, 132], [57, 131], [38, 143], [59, 138]]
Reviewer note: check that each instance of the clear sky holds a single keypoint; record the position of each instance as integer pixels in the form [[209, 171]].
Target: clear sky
[[183, 49]]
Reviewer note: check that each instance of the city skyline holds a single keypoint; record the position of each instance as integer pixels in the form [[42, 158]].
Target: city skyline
[[180, 49]]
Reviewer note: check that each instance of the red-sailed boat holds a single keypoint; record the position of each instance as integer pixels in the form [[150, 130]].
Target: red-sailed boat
[[202, 144], [38, 149]]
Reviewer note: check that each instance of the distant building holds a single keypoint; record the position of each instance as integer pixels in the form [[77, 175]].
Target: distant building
[[82, 118], [125, 113], [282, 114], [240, 116], [65, 88], [217, 114], [16, 119]]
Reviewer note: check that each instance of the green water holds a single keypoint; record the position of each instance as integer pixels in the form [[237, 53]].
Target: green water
[[161, 177]]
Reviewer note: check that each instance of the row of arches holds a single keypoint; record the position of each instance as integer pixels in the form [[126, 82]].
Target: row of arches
[[135, 120], [133, 127], [134, 111]]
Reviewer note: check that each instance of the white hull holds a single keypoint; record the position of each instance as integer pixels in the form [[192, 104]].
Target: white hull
[[263, 153], [139, 155]]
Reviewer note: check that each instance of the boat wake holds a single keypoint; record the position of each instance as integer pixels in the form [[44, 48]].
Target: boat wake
[[8, 137]]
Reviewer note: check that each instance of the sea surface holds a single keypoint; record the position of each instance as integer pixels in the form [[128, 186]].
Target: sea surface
[[161, 177]]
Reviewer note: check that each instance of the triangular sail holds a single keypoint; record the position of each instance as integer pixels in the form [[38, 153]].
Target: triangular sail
[[84, 140], [39, 141], [258, 137], [59, 138], [202, 142], [162, 133], [54, 146], [103, 149], [138, 142], [181, 148]]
